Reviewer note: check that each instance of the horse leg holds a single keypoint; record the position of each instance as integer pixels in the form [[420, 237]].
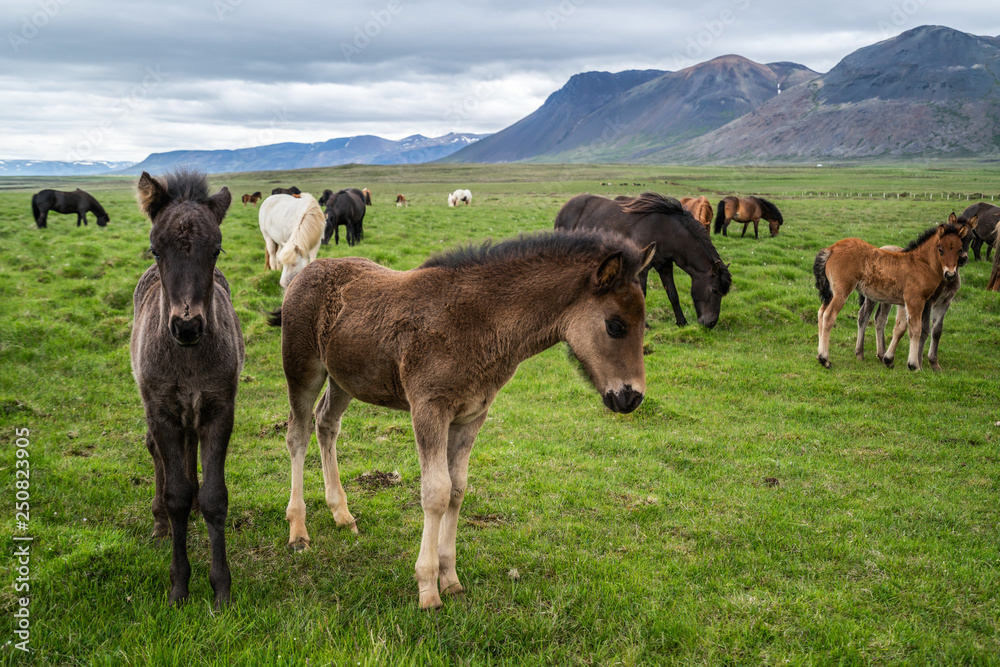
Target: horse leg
[[271, 254], [864, 314], [826, 318], [328, 413], [214, 500], [755, 224], [917, 329], [177, 496], [666, 272], [191, 466], [881, 319], [431, 430], [460, 440], [744, 228], [902, 319], [161, 524], [303, 388]]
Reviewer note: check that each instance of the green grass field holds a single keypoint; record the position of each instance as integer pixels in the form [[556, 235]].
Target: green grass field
[[757, 509]]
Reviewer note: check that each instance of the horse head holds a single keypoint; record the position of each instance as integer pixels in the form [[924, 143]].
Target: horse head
[[185, 240], [707, 291], [971, 224], [950, 240], [606, 327]]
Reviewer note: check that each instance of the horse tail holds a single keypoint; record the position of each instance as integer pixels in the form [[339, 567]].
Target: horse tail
[[305, 236], [720, 217], [274, 318], [822, 282]]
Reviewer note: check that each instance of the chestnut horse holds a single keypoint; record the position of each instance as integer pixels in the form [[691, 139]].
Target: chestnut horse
[[187, 354], [400, 200], [939, 303], [440, 341], [747, 210], [701, 209], [679, 239], [252, 199], [907, 278]]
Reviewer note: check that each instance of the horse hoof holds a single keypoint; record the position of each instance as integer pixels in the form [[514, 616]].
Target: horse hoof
[[430, 601], [454, 590], [298, 545], [824, 362], [912, 367]]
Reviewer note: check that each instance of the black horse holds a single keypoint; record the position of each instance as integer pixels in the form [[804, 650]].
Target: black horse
[[346, 207], [78, 202], [985, 231], [286, 191], [679, 238]]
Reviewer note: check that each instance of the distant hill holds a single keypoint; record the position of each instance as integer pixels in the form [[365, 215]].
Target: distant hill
[[364, 149], [623, 122], [56, 168], [930, 92]]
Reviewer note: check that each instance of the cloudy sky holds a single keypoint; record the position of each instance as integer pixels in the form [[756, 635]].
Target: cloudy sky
[[119, 79]]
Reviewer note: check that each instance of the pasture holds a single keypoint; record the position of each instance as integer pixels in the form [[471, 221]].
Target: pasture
[[756, 509]]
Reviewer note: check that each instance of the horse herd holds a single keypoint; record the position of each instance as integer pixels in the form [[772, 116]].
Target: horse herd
[[442, 339]]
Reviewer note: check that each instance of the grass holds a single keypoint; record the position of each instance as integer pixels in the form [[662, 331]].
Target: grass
[[757, 509]]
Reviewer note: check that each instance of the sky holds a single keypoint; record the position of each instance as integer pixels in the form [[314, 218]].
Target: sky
[[117, 80]]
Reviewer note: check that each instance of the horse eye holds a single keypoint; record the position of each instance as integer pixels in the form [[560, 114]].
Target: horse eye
[[155, 254], [616, 329], [216, 253]]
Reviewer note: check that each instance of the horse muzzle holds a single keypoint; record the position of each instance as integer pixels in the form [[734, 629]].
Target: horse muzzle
[[950, 275], [187, 331], [623, 401]]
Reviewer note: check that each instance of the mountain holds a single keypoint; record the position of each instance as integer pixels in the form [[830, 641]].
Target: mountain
[[929, 92], [56, 168], [364, 149], [624, 122]]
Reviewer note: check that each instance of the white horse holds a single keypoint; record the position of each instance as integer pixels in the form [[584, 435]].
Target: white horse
[[459, 196], [292, 226]]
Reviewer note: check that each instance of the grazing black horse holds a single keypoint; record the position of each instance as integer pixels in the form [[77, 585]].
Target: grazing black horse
[[187, 354], [346, 207], [286, 191], [986, 231], [679, 238], [78, 202]]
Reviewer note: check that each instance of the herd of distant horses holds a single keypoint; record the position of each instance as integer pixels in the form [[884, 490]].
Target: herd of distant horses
[[442, 339]]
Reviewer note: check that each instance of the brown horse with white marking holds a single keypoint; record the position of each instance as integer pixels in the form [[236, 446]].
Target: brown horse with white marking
[[701, 209], [440, 341], [747, 210], [907, 278]]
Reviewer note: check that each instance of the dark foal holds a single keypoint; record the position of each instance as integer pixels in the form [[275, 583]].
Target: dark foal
[[187, 354]]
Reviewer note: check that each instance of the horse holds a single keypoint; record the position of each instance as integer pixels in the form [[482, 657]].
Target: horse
[[78, 202], [253, 199], [939, 303], [367, 194], [401, 200], [908, 278], [985, 232], [346, 207], [440, 341], [747, 210], [187, 354], [701, 209], [994, 282], [286, 191], [324, 197], [292, 227], [679, 239], [460, 196]]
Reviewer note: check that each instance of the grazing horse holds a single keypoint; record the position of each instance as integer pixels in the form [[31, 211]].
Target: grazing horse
[[187, 354], [440, 341], [400, 200], [908, 278], [286, 191], [985, 232], [701, 209], [292, 228], [939, 303], [460, 196], [346, 207], [994, 282], [367, 194], [679, 239], [252, 199], [78, 202], [747, 210]]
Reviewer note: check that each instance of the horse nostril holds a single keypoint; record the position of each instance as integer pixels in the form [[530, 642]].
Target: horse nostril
[[624, 401], [187, 331]]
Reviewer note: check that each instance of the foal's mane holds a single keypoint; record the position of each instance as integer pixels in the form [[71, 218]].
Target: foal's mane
[[949, 228], [545, 245], [185, 185]]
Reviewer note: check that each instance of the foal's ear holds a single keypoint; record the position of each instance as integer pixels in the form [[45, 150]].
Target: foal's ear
[[952, 218], [152, 195], [609, 270], [973, 221], [647, 257], [219, 203]]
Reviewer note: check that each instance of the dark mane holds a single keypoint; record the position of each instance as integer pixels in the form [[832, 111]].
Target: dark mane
[[652, 202], [770, 211], [186, 185], [577, 245], [920, 240], [95, 206]]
